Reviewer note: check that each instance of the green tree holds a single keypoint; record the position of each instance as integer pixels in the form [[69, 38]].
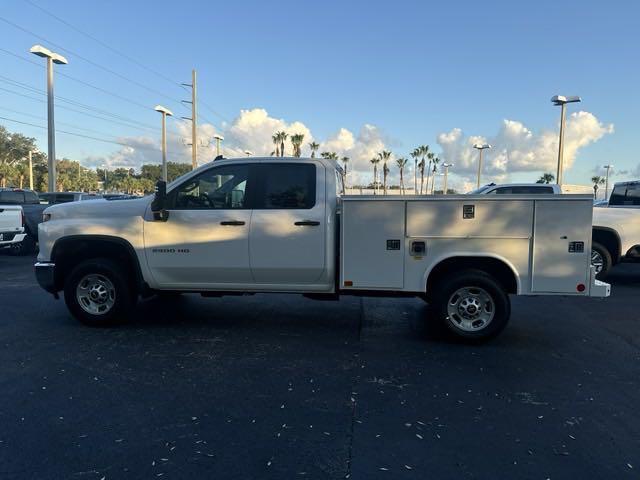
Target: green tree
[[296, 143], [276, 142], [314, 148], [597, 180], [546, 178], [421, 166], [384, 156], [435, 160], [375, 161], [401, 162]]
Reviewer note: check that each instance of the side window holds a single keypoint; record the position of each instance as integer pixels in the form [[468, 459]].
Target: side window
[[286, 186], [216, 189], [617, 196], [45, 199], [64, 198], [31, 197], [503, 191], [12, 197], [633, 195]]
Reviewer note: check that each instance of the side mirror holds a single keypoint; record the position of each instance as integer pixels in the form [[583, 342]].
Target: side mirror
[[159, 203]]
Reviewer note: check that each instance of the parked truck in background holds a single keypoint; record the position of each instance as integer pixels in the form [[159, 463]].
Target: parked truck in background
[[616, 228], [30, 203], [261, 225], [12, 228]]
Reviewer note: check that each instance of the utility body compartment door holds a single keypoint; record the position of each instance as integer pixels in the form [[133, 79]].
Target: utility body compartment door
[[373, 244], [561, 245]]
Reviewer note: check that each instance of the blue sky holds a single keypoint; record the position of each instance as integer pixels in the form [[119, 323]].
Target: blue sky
[[411, 70]]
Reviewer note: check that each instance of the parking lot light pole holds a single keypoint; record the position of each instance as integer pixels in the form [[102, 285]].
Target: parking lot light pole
[[248, 153], [164, 111], [446, 173], [219, 139], [480, 147], [52, 58], [606, 181], [562, 101]]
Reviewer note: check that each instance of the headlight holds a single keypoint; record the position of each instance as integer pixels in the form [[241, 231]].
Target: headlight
[[46, 217]]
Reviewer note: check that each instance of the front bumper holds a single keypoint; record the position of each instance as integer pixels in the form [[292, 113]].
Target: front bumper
[[45, 275]]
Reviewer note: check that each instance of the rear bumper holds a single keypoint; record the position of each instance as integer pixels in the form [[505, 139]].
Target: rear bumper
[[11, 238], [597, 287], [45, 275]]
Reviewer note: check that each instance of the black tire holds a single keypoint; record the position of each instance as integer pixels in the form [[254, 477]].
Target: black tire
[[124, 295], [26, 247], [607, 262], [478, 283]]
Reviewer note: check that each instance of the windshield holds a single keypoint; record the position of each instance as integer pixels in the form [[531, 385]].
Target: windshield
[[480, 190]]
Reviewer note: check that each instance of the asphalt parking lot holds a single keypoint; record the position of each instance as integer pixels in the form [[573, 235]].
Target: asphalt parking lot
[[285, 387]]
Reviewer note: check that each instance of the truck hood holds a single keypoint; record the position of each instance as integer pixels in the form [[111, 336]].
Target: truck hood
[[100, 208]]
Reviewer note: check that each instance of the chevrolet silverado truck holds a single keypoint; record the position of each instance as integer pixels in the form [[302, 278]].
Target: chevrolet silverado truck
[[616, 229], [261, 225], [12, 228]]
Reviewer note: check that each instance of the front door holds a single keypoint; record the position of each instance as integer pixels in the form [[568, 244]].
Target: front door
[[288, 226], [205, 241]]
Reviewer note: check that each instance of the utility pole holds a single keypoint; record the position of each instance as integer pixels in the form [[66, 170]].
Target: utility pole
[[480, 148], [194, 120], [30, 171]]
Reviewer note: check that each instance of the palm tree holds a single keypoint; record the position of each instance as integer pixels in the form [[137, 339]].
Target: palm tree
[[430, 156], [296, 143], [375, 161], [421, 167], [415, 155], [597, 180], [401, 162], [314, 148], [276, 141], [384, 156], [546, 178], [329, 155], [344, 161], [435, 161], [282, 136]]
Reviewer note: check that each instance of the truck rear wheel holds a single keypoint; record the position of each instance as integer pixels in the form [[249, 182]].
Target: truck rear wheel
[[472, 305], [601, 259], [98, 293]]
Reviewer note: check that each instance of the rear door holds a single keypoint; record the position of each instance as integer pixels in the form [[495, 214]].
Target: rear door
[[288, 227]]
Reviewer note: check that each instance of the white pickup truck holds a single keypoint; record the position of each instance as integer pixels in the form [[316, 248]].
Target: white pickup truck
[[616, 228], [253, 225], [11, 227]]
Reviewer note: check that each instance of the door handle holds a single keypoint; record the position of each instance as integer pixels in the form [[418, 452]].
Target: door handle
[[307, 223], [235, 223]]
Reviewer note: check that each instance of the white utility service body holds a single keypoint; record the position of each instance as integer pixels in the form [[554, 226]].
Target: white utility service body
[[253, 225]]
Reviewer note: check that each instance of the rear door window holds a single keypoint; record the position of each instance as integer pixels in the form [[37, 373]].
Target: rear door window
[[285, 186], [625, 195], [31, 197], [64, 197], [12, 197]]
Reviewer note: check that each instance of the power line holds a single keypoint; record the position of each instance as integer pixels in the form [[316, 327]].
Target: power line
[[105, 45], [95, 64]]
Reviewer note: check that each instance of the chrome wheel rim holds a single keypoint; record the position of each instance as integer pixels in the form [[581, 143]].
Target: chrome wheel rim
[[96, 294], [470, 309], [597, 261]]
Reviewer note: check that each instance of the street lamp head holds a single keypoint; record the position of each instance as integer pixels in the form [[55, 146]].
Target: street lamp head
[[447, 165], [607, 166], [163, 110], [481, 146], [41, 51], [217, 136], [248, 153], [561, 99]]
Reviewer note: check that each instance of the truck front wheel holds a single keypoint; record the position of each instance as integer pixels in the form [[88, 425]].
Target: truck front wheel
[[472, 305], [98, 293]]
